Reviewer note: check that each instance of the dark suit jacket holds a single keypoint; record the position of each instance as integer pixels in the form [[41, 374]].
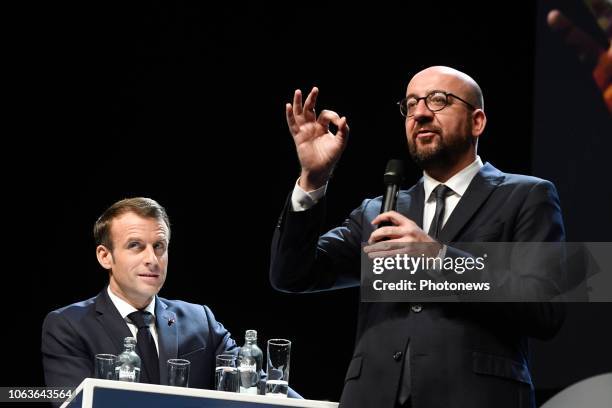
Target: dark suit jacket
[[461, 354], [74, 334]]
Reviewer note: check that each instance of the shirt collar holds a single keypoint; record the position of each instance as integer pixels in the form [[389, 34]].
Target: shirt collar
[[458, 183], [125, 308]]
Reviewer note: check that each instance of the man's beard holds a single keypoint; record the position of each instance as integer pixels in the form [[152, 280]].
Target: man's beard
[[441, 154]]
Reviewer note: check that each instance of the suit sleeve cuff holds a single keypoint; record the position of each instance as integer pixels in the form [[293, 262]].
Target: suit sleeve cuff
[[303, 200]]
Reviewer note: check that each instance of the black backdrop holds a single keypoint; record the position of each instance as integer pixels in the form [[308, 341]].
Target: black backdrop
[[185, 104], [571, 146]]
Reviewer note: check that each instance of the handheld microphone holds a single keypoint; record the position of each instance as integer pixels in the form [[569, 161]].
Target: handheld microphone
[[394, 176]]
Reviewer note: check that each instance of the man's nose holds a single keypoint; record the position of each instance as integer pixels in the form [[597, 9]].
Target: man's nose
[[421, 112], [150, 258]]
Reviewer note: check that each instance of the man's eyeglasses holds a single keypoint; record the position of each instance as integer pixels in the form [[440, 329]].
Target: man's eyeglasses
[[435, 101]]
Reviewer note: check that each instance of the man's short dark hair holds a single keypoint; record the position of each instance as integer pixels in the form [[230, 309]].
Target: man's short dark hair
[[141, 206]]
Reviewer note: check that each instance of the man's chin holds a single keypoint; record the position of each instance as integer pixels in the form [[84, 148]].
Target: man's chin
[[149, 289], [426, 157]]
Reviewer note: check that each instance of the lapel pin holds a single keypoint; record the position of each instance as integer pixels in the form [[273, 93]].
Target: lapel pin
[[170, 322]]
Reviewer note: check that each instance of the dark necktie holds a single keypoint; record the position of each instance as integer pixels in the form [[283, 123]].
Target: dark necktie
[[440, 193], [145, 347]]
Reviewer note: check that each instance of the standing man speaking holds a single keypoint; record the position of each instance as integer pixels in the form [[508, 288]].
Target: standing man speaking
[[422, 355]]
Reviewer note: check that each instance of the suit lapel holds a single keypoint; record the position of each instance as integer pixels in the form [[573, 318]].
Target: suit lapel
[[110, 319], [412, 205], [482, 185], [166, 336]]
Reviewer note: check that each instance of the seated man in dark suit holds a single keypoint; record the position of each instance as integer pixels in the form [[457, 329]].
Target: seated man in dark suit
[[132, 238], [434, 354]]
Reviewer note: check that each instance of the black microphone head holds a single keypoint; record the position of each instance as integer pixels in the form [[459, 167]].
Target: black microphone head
[[394, 173]]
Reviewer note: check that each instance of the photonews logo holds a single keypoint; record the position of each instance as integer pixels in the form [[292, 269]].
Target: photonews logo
[[486, 272]]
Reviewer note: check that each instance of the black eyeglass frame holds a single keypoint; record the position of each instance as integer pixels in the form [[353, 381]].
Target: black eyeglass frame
[[403, 108]]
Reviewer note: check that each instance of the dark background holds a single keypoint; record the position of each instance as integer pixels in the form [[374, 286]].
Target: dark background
[[185, 104], [571, 146]]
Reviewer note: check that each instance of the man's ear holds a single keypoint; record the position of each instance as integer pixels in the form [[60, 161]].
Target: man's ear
[[105, 256], [479, 121]]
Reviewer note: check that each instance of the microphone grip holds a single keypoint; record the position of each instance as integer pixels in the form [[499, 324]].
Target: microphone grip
[[390, 199], [389, 202]]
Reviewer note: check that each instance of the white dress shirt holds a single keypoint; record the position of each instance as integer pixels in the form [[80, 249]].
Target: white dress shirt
[[458, 183], [302, 200], [125, 309]]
